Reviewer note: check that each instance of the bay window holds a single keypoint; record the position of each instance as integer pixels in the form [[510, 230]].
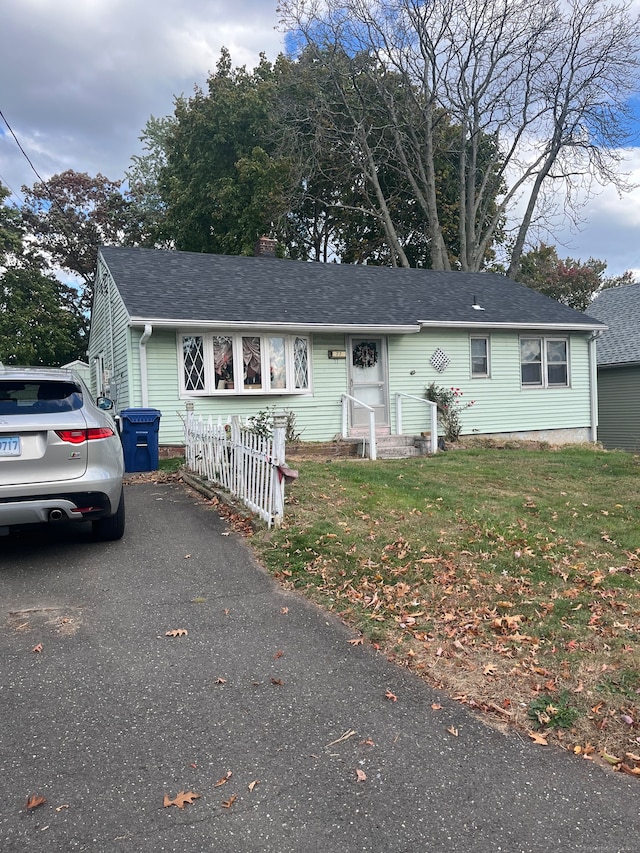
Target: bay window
[[244, 364]]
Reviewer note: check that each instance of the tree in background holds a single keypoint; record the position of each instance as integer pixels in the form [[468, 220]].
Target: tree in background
[[39, 321], [538, 91], [571, 282], [220, 180], [71, 215]]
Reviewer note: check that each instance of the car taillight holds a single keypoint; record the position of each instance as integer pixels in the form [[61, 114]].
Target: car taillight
[[77, 436]]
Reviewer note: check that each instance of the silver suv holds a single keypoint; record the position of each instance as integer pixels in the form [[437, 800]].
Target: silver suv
[[60, 455]]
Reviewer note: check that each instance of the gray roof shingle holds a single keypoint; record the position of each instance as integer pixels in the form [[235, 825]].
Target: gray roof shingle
[[619, 308], [183, 286]]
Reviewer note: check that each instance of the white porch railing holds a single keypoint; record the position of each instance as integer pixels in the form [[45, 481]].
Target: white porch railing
[[372, 422], [434, 417], [247, 465]]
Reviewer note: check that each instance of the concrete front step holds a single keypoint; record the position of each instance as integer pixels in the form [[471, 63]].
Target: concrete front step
[[396, 446]]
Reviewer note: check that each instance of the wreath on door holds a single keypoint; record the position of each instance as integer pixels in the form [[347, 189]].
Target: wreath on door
[[365, 354]]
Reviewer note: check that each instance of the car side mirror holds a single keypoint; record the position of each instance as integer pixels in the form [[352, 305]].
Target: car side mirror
[[104, 403]]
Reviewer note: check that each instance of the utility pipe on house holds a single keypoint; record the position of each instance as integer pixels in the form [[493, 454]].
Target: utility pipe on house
[[593, 382], [144, 380]]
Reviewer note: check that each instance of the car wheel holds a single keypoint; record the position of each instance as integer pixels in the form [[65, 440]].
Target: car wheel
[[112, 527]]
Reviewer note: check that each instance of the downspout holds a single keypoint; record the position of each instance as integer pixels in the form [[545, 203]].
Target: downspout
[[144, 380], [593, 382]]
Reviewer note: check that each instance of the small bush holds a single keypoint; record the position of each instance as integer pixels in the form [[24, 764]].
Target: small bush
[[450, 407], [552, 712]]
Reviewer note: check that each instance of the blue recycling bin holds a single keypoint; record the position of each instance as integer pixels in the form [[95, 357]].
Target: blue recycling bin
[[139, 435]]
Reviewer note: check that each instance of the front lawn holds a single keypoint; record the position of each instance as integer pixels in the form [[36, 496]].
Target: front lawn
[[510, 578]]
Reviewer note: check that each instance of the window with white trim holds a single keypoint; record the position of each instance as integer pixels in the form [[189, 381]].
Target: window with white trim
[[244, 364], [479, 357], [544, 362]]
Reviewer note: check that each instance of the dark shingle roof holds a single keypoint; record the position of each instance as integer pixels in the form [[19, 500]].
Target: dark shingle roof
[[159, 285], [619, 308]]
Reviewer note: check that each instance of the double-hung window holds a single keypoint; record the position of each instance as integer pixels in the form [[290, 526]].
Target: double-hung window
[[479, 357], [244, 364], [544, 362]]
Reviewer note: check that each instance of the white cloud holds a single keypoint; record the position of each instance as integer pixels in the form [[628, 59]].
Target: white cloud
[[81, 78], [85, 75]]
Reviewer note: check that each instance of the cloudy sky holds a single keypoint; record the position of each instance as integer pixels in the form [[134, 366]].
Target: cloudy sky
[[80, 78]]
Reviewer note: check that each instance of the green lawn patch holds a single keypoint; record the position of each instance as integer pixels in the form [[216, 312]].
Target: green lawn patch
[[509, 577]]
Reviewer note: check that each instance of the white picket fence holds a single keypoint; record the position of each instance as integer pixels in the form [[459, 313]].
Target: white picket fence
[[247, 465]]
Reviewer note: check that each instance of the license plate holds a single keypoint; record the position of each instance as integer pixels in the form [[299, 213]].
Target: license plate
[[10, 445]]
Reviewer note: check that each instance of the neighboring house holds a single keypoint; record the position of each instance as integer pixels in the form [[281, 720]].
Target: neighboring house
[[229, 335], [81, 368], [619, 367]]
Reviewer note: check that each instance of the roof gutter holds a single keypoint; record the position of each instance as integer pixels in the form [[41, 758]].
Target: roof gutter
[[555, 327], [144, 378], [276, 327]]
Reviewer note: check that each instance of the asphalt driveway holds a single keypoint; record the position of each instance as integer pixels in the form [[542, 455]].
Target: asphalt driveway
[[112, 714]]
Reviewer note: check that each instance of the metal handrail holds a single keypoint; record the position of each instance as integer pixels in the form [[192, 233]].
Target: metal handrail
[[434, 417], [372, 423]]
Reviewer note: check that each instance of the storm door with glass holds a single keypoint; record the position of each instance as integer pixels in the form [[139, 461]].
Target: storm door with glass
[[368, 381]]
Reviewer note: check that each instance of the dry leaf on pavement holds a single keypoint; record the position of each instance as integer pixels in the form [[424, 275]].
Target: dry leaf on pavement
[[228, 803], [34, 801], [391, 696], [177, 632], [253, 784], [224, 779], [361, 776], [181, 799]]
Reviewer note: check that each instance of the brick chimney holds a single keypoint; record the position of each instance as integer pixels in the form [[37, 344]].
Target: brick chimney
[[265, 248]]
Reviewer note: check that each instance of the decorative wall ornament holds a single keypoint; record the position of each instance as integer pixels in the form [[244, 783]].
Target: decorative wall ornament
[[440, 360], [365, 354]]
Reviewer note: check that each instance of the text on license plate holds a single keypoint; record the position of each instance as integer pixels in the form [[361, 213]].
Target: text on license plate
[[9, 445]]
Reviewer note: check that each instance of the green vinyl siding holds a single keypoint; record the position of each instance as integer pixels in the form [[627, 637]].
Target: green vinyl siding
[[109, 338], [501, 404], [619, 407]]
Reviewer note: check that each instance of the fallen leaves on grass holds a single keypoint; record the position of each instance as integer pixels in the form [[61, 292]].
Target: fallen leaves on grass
[[34, 801], [536, 737], [181, 799], [177, 632]]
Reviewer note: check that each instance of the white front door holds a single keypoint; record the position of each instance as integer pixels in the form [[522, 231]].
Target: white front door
[[368, 381]]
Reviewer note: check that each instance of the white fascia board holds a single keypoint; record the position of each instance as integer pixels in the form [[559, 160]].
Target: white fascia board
[[543, 327], [290, 328]]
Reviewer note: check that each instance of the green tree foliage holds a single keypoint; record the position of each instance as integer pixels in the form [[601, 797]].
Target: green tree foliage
[[221, 180], [38, 325], [39, 322], [277, 151], [572, 282]]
